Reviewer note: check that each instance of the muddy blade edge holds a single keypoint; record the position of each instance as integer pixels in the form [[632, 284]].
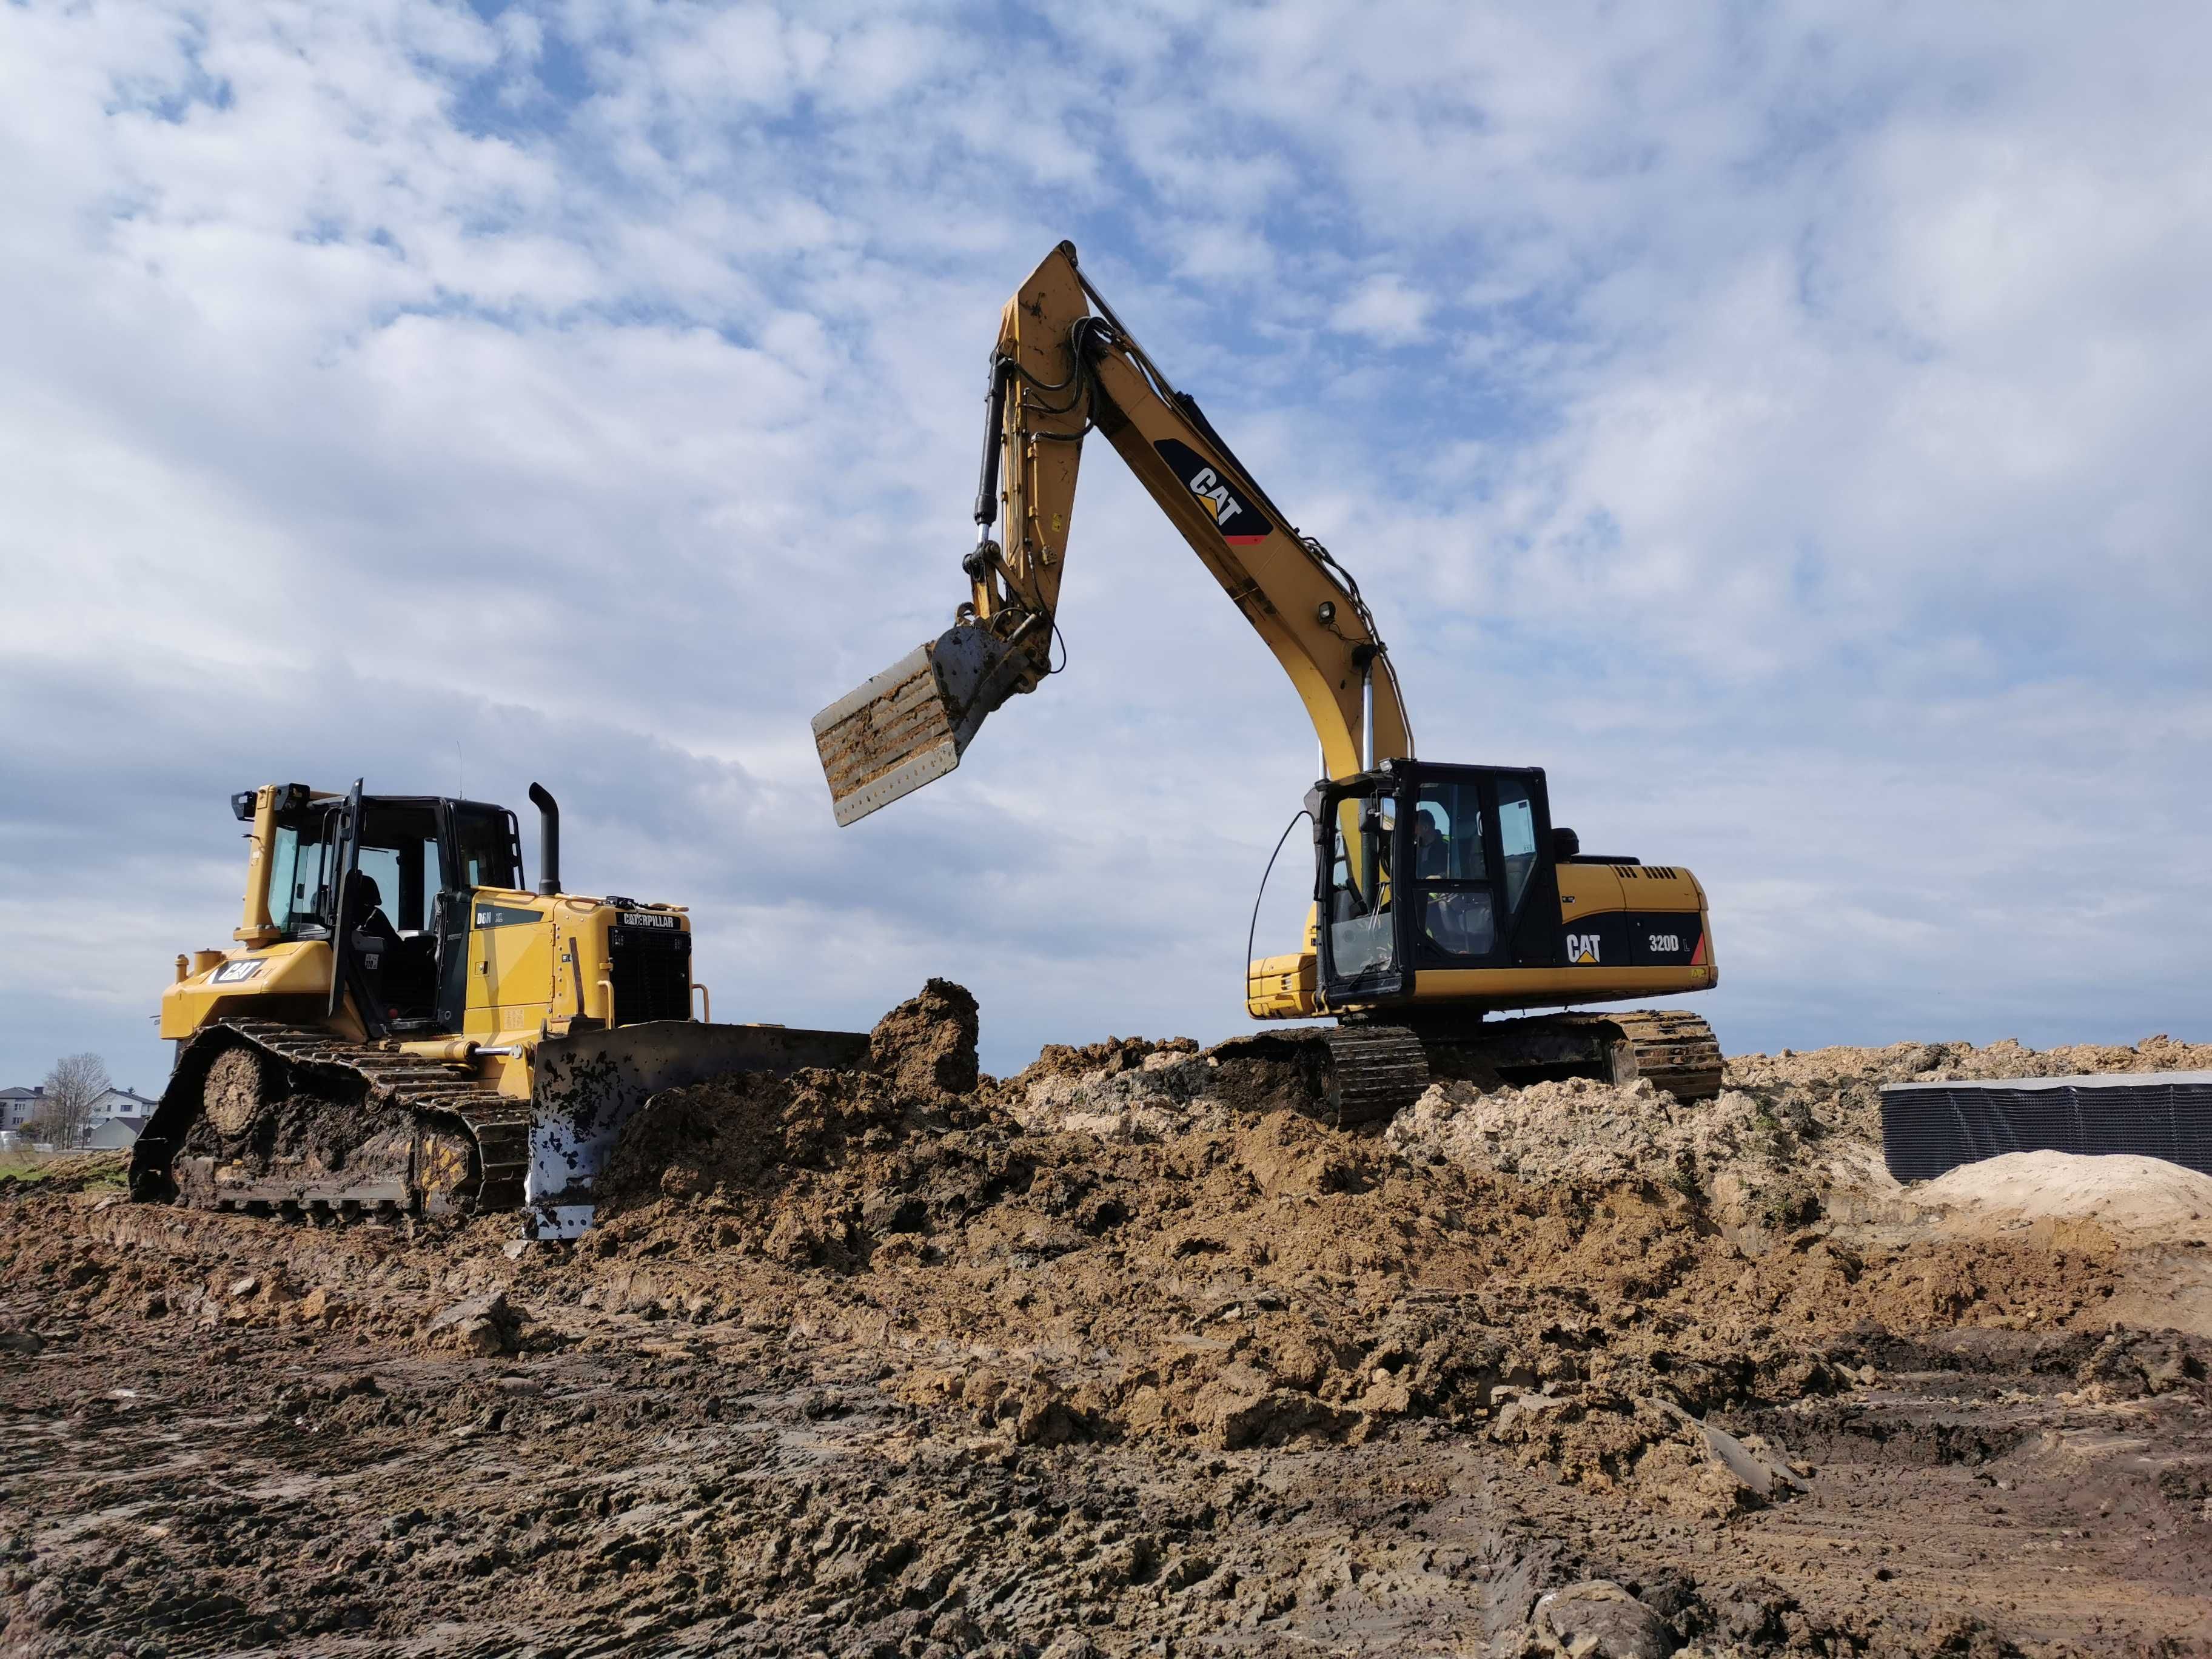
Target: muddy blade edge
[[886, 738], [589, 1082]]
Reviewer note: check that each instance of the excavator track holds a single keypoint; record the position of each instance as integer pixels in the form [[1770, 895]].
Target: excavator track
[[1363, 1071], [1673, 1050], [1676, 1051], [434, 1138], [1375, 1072]]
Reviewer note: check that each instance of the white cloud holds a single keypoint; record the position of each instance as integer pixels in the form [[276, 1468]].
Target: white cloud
[[1383, 309], [1785, 428]]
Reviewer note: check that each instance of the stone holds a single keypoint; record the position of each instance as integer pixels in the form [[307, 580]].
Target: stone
[[1597, 1619], [318, 1306], [484, 1325]]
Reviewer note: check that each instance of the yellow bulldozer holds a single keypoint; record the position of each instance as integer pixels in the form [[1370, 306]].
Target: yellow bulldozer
[[1444, 895], [403, 1025]]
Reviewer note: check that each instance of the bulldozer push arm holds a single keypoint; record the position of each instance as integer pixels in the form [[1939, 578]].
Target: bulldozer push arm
[[1064, 365]]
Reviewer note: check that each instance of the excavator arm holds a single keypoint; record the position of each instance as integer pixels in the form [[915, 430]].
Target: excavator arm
[[1064, 365]]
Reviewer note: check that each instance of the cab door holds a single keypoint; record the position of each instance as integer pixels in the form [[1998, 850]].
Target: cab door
[[1361, 925], [1480, 869], [346, 967]]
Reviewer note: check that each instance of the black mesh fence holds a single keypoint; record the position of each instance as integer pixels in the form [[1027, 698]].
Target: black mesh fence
[[1929, 1127]]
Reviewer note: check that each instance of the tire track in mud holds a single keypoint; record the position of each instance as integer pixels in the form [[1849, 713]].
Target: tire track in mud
[[897, 1362]]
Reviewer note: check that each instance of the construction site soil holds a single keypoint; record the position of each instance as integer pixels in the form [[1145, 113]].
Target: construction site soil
[[1128, 1354]]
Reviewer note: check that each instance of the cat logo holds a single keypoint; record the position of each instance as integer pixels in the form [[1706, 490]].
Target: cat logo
[[1207, 481], [1581, 949], [1238, 520]]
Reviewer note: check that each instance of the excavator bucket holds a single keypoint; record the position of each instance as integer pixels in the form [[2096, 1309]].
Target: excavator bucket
[[910, 724], [589, 1082]]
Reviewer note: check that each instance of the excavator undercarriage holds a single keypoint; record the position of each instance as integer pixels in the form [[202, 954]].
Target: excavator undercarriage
[[1366, 1071]]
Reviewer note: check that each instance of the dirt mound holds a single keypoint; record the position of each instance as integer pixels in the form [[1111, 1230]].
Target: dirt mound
[[1137, 1241], [740, 1131], [2142, 1196], [1731, 1153], [1132, 1089], [1795, 1139], [927, 1045], [1121, 1354]]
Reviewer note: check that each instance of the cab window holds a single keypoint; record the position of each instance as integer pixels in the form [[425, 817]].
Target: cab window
[[1448, 834], [484, 848], [1360, 925], [1517, 838], [1452, 861], [299, 875], [399, 854]]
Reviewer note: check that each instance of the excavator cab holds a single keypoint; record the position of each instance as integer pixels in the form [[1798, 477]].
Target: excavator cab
[[1422, 868]]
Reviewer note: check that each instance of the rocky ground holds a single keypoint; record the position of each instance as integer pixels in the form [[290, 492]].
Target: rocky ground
[[1126, 1354]]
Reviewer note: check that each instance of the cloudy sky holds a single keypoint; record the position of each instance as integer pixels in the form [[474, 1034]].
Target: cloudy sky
[[1787, 424]]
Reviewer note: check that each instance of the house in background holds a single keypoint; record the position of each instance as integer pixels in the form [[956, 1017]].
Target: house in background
[[121, 1103], [19, 1106], [114, 1122], [115, 1134]]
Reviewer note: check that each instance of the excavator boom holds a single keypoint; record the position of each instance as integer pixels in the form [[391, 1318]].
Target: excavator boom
[[1063, 365]]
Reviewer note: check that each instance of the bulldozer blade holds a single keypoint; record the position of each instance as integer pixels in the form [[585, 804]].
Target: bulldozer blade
[[909, 724], [589, 1082]]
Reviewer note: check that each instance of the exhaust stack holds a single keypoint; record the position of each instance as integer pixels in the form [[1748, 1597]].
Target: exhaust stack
[[549, 839], [910, 724]]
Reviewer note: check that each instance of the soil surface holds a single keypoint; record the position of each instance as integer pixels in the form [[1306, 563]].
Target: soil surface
[[1128, 1354]]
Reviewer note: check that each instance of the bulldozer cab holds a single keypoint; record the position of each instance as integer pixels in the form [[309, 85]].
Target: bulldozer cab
[[389, 880], [1432, 866]]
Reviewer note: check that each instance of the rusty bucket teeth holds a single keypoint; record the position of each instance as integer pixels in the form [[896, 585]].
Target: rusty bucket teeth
[[887, 737]]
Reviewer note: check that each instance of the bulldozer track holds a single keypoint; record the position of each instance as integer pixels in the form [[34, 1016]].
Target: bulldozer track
[[437, 1095]]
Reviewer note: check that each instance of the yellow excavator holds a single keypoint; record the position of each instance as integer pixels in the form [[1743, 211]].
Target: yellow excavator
[[403, 1025], [1444, 894]]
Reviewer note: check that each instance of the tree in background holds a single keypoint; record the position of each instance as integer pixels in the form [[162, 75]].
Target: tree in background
[[65, 1114]]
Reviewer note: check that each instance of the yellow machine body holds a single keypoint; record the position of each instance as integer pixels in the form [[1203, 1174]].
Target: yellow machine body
[[458, 1041], [535, 962], [1554, 928]]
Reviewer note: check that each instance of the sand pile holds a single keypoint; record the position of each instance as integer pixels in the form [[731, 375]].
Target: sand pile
[[2146, 1198]]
